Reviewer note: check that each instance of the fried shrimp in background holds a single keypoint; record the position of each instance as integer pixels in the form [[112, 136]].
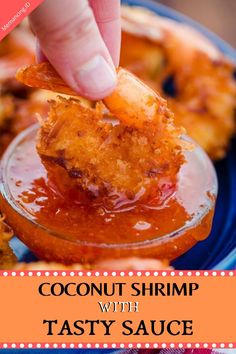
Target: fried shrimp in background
[[18, 104], [188, 70], [140, 153], [7, 257]]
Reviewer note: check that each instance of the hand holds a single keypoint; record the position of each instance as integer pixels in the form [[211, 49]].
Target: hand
[[81, 39]]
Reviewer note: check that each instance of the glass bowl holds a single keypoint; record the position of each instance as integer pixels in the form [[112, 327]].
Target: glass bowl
[[196, 195]]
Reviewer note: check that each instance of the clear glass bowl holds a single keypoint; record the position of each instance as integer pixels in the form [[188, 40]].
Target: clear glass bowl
[[196, 194]]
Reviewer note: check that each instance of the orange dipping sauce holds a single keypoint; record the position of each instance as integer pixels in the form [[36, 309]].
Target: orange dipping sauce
[[68, 227]]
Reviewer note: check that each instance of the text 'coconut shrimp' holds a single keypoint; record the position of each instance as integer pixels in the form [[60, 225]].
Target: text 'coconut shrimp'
[[127, 144]]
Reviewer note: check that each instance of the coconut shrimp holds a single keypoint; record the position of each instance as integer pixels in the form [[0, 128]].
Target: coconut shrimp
[[128, 144], [18, 103], [188, 70]]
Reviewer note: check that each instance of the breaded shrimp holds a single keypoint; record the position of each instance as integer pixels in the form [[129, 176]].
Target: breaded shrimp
[[18, 106], [138, 155], [187, 69]]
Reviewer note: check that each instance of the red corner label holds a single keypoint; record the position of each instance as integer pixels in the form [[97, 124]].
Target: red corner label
[[12, 12]]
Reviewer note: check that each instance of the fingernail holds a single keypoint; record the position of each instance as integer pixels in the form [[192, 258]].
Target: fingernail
[[96, 77]]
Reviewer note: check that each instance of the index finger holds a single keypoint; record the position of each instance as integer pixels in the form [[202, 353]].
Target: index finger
[[107, 15]]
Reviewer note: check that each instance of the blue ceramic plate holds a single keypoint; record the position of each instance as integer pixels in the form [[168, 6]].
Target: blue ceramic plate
[[219, 250]]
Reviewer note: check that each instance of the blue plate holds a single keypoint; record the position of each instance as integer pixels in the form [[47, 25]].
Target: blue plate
[[219, 250]]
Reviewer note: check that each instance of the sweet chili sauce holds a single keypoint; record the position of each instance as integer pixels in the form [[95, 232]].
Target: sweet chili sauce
[[70, 227]]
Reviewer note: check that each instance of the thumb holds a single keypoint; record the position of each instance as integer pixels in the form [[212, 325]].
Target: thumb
[[69, 37]]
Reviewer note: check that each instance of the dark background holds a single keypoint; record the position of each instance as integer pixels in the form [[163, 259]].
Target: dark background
[[217, 15]]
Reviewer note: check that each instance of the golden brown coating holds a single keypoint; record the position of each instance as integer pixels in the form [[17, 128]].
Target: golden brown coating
[[18, 107], [188, 70], [206, 103], [140, 154], [7, 257], [105, 158]]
